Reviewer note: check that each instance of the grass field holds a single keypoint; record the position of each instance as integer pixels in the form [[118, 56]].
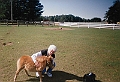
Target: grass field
[[80, 51]]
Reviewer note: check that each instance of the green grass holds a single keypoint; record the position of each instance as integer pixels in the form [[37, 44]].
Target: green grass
[[80, 51]]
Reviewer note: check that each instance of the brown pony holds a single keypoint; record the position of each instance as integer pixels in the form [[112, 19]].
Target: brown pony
[[25, 62]]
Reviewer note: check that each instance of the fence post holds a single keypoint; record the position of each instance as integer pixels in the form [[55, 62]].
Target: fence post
[[42, 23], [48, 23], [35, 23], [78, 25], [7, 22], [18, 23], [27, 23], [100, 26], [113, 27], [88, 26]]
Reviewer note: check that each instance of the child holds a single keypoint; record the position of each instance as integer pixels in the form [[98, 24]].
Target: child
[[46, 52]]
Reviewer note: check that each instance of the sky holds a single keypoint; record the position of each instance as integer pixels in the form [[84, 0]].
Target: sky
[[87, 9]]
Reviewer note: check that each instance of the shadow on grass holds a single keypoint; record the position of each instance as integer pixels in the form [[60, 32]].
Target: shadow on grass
[[59, 76]]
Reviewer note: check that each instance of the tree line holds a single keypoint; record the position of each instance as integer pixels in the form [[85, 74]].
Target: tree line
[[31, 10], [69, 18], [21, 9]]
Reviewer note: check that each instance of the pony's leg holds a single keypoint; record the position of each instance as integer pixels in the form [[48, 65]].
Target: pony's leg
[[27, 72], [16, 74], [40, 74]]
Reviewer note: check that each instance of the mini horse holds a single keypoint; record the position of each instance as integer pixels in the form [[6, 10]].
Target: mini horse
[[25, 62]]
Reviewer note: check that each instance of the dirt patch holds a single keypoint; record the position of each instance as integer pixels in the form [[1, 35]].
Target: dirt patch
[[7, 44], [59, 28], [1, 39]]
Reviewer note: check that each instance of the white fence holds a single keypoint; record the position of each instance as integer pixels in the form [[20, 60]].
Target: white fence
[[91, 25]]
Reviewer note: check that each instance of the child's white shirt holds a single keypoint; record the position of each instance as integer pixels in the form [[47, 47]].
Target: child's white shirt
[[34, 56]]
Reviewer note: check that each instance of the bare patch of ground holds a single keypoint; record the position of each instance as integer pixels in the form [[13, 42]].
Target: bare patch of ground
[[59, 28], [7, 44]]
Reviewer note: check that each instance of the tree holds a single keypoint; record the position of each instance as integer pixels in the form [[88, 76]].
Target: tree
[[95, 19], [3, 8], [113, 14], [27, 9], [78, 19]]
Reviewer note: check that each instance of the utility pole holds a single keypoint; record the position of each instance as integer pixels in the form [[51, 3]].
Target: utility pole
[[11, 11]]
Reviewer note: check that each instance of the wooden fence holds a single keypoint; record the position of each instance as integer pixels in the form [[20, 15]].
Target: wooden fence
[[27, 23]]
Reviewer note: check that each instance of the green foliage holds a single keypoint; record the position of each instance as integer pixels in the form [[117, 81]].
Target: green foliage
[[3, 9], [96, 19], [70, 18], [113, 14], [22, 9], [27, 9]]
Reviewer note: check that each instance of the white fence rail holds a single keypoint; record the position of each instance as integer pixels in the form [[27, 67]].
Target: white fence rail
[[91, 25]]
